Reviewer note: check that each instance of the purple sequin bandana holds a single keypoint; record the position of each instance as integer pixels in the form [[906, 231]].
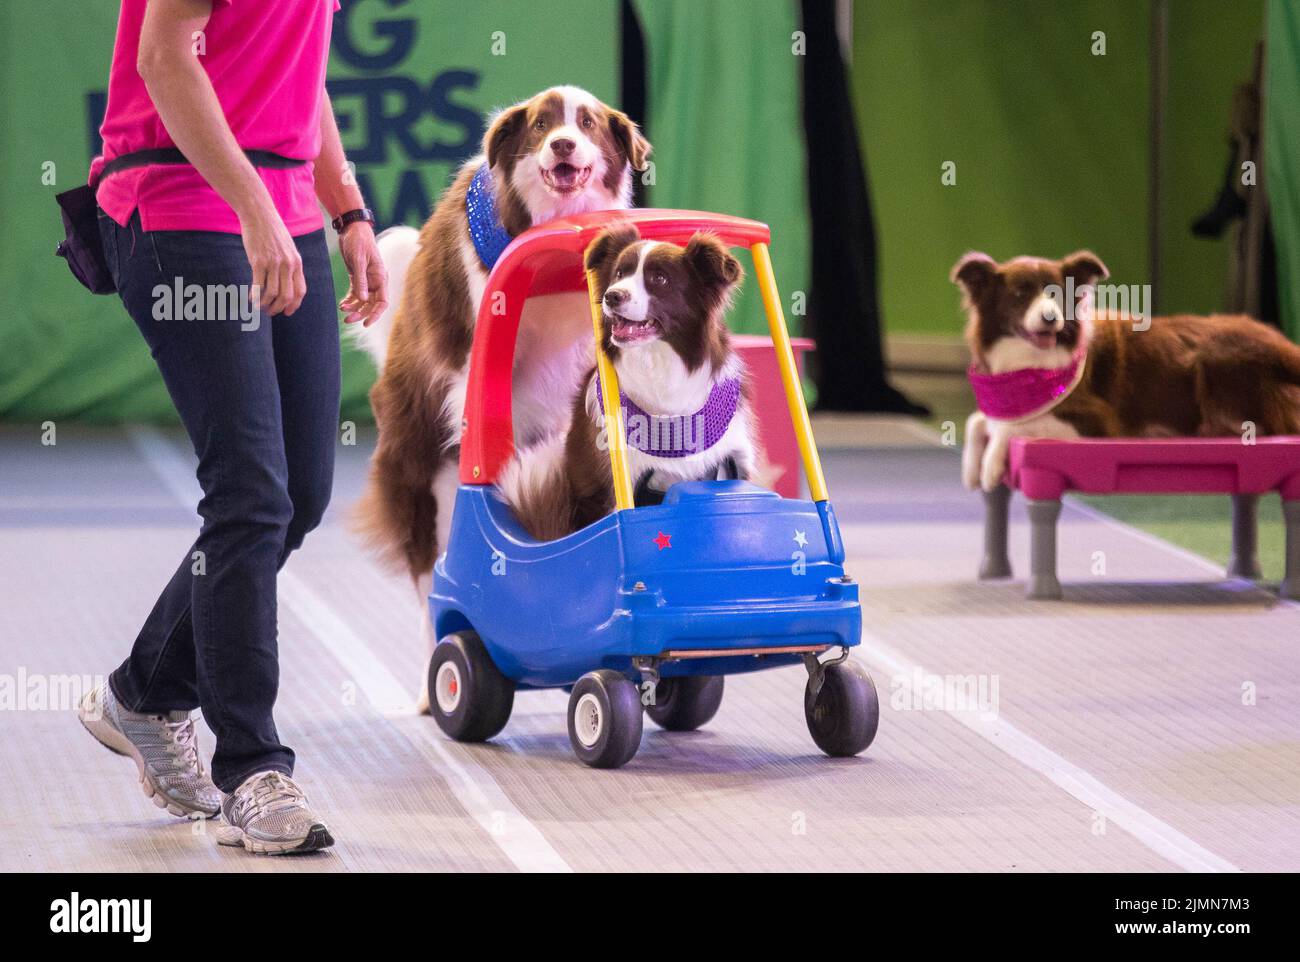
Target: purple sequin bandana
[[485, 228], [1020, 394], [680, 435]]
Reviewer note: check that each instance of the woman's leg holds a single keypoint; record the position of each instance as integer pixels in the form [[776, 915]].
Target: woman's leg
[[187, 293], [307, 368]]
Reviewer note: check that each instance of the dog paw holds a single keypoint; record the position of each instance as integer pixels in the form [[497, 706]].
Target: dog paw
[[991, 480]]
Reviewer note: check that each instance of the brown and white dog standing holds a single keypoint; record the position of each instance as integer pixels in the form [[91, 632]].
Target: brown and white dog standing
[[1181, 376], [685, 399], [560, 153]]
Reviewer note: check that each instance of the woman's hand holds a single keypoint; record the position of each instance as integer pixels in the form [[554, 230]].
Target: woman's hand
[[276, 263], [367, 296], [336, 186]]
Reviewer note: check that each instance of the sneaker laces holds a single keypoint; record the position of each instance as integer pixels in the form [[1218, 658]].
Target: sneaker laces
[[186, 741], [271, 793]]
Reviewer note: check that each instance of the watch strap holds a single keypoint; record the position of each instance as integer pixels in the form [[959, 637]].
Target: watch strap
[[352, 217]]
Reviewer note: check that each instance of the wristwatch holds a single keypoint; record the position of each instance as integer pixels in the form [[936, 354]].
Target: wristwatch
[[352, 216]]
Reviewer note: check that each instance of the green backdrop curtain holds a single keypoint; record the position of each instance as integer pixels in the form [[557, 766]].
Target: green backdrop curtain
[[1282, 151], [1049, 144], [724, 116], [1048, 137], [410, 80]]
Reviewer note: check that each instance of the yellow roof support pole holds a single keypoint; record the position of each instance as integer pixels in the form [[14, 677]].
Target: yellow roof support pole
[[607, 384], [812, 465]]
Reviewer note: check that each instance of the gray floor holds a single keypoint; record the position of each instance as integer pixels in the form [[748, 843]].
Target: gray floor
[[1150, 722]]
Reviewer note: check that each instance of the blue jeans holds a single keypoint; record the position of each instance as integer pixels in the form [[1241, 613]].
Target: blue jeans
[[259, 399]]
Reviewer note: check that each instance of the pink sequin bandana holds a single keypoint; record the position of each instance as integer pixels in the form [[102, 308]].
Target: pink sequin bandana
[[1024, 393]]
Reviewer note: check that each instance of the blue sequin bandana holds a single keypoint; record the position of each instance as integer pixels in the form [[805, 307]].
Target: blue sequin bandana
[[485, 228]]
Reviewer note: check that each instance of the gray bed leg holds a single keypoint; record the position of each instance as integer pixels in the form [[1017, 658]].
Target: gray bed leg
[[1291, 579], [995, 563], [1043, 584], [1244, 562]]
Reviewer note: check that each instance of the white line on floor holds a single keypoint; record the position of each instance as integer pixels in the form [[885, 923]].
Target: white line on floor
[[474, 788], [480, 795], [1159, 836]]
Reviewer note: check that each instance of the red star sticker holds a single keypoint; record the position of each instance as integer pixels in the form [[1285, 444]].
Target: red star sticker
[[663, 540]]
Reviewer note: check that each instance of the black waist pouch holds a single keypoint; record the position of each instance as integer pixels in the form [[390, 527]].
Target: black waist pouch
[[82, 246]]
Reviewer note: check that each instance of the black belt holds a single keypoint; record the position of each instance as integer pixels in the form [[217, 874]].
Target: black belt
[[171, 155]]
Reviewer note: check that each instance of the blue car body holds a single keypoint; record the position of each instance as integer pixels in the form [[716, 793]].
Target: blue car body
[[719, 567]]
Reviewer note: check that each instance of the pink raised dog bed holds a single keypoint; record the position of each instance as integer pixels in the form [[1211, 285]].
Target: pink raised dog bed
[[1044, 470]]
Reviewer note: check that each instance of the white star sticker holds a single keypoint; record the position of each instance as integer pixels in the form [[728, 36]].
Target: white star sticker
[[800, 538]]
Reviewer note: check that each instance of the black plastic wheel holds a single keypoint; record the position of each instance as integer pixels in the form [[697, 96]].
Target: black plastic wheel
[[844, 714], [468, 696], [605, 719], [686, 703]]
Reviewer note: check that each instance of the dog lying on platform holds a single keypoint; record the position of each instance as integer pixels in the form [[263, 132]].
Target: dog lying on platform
[[1043, 365]]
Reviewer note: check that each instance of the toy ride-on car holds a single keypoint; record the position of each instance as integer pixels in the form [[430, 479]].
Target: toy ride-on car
[[648, 608]]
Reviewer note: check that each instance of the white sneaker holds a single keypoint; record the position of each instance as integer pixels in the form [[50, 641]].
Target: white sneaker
[[165, 749], [268, 815]]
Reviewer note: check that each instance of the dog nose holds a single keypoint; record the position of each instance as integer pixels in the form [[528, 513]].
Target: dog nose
[[562, 146], [615, 296]]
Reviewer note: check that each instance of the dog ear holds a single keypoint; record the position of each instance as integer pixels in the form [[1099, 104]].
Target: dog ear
[[1085, 267], [505, 133], [609, 243], [973, 272], [712, 261], [628, 137]]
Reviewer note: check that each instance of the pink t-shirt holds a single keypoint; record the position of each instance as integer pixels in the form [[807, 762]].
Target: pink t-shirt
[[266, 60]]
